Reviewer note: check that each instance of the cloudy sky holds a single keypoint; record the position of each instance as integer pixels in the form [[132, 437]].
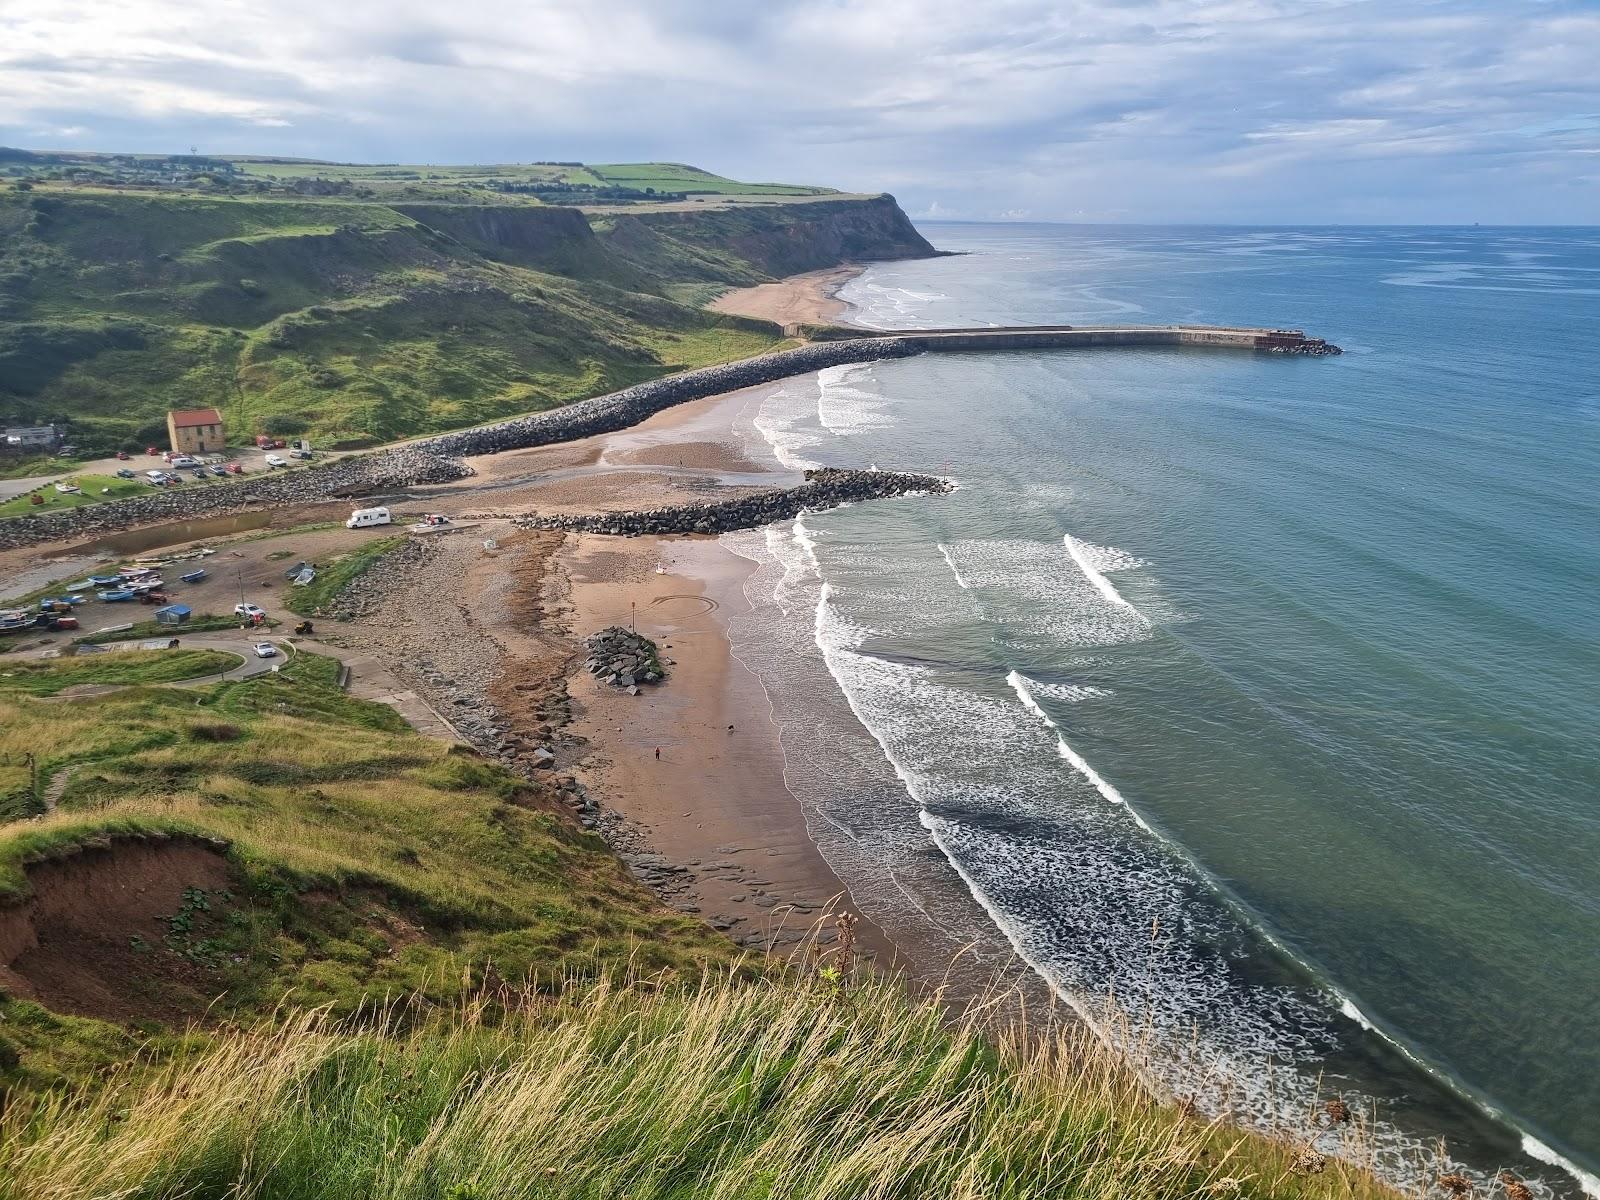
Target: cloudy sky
[[1120, 110]]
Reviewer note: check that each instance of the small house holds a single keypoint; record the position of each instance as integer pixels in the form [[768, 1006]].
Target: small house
[[196, 431], [173, 614]]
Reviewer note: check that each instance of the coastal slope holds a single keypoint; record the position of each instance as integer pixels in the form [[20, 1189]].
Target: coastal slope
[[355, 322]]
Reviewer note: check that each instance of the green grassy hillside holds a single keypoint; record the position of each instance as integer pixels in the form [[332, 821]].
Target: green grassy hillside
[[361, 860], [350, 322], [793, 1089]]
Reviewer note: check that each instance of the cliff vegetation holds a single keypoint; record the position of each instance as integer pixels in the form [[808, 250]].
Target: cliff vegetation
[[357, 320]]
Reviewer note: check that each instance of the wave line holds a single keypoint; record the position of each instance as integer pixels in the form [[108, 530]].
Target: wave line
[[1092, 574]]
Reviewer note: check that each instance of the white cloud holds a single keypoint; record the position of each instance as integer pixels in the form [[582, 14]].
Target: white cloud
[[1157, 109]]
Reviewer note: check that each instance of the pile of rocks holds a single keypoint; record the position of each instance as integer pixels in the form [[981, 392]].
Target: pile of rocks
[[622, 658], [824, 489], [1314, 347]]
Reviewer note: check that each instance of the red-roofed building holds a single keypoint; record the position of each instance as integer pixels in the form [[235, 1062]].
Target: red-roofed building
[[196, 431]]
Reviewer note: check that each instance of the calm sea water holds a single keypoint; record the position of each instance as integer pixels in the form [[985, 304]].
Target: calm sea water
[[1260, 694]]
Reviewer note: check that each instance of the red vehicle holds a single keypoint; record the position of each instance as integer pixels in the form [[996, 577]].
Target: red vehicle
[[64, 623], [235, 469], [122, 455], [263, 442], [153, 451]]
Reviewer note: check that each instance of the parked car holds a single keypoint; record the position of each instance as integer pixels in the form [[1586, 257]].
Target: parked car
[[299, 454], [199, 473], [219, 472], [235, 469], [252, 611], [266, 650], [124, 473], [122, 456], [152, 451], [274, 461], [184, 461]]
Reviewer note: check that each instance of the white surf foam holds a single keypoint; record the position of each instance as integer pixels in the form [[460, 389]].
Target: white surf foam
[[781, 421], [954, 570], [1042, 600], [1019, 684], [1534, 1148], [846, 404], [1081, 553]]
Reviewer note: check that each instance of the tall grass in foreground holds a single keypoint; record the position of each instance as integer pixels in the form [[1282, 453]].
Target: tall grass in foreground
[[792, 1087]]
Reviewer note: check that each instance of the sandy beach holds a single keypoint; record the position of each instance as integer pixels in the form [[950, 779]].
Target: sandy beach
[[710, 823], [809, 299], [487, 624]]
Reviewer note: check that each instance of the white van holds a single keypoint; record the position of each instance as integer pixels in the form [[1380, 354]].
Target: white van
[[362, 517]]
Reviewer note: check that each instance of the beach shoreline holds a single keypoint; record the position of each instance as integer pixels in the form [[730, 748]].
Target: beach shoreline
[[808, 299], [694, 765]]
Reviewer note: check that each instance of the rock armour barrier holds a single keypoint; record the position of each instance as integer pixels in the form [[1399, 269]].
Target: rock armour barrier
[[437, 459], [827, 488]]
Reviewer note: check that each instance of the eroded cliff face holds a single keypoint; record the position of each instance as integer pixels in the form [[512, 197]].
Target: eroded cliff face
[[753, 244]]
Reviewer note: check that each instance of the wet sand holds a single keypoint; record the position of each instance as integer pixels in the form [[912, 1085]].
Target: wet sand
[[715, 801], [809, 299]]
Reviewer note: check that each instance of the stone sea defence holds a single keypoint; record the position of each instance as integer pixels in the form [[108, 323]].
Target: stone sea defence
[[437, 459], [826, 488]]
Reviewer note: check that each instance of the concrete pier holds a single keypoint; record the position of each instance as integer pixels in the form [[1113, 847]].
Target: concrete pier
[[1067, 337]]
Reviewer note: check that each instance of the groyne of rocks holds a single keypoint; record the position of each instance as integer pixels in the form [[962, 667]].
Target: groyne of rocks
[[827, 488]]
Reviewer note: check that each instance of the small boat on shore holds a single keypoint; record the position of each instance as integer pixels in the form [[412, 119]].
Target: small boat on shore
[[116, 594], [194, 576]]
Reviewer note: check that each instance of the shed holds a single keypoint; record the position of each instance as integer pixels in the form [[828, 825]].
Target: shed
[[173, 614]]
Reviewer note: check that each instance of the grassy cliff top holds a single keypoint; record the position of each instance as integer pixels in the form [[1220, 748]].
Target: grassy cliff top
[[500, 183]]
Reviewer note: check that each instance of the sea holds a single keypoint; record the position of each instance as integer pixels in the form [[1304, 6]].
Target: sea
[[1251, 702]]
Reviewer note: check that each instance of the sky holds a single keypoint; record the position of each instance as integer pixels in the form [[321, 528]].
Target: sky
[[1237, 111]]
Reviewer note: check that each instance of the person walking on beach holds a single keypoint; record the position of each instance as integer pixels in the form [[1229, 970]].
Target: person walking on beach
[[658, 751]]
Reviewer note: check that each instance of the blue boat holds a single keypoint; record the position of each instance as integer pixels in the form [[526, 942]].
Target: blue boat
[[119, 594], [71, 601], [194, 576], [104, 580]]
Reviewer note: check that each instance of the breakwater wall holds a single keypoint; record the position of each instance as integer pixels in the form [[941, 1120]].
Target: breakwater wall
[[1071, 337], [437, 459], [827, 488]]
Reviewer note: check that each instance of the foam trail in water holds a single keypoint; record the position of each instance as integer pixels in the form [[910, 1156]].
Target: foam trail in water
[[1079, 552], [954, 570], [1019, 684]]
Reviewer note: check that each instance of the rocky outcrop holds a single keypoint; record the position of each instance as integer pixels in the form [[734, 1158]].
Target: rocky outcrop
[[625, 659], [827, 488]]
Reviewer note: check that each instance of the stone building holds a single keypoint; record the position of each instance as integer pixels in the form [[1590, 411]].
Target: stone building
[[196, 431]]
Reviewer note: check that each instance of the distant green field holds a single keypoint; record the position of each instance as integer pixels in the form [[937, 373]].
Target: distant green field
[[677, 177]]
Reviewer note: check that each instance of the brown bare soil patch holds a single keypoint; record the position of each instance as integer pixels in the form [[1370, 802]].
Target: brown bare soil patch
[[89, 939]]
